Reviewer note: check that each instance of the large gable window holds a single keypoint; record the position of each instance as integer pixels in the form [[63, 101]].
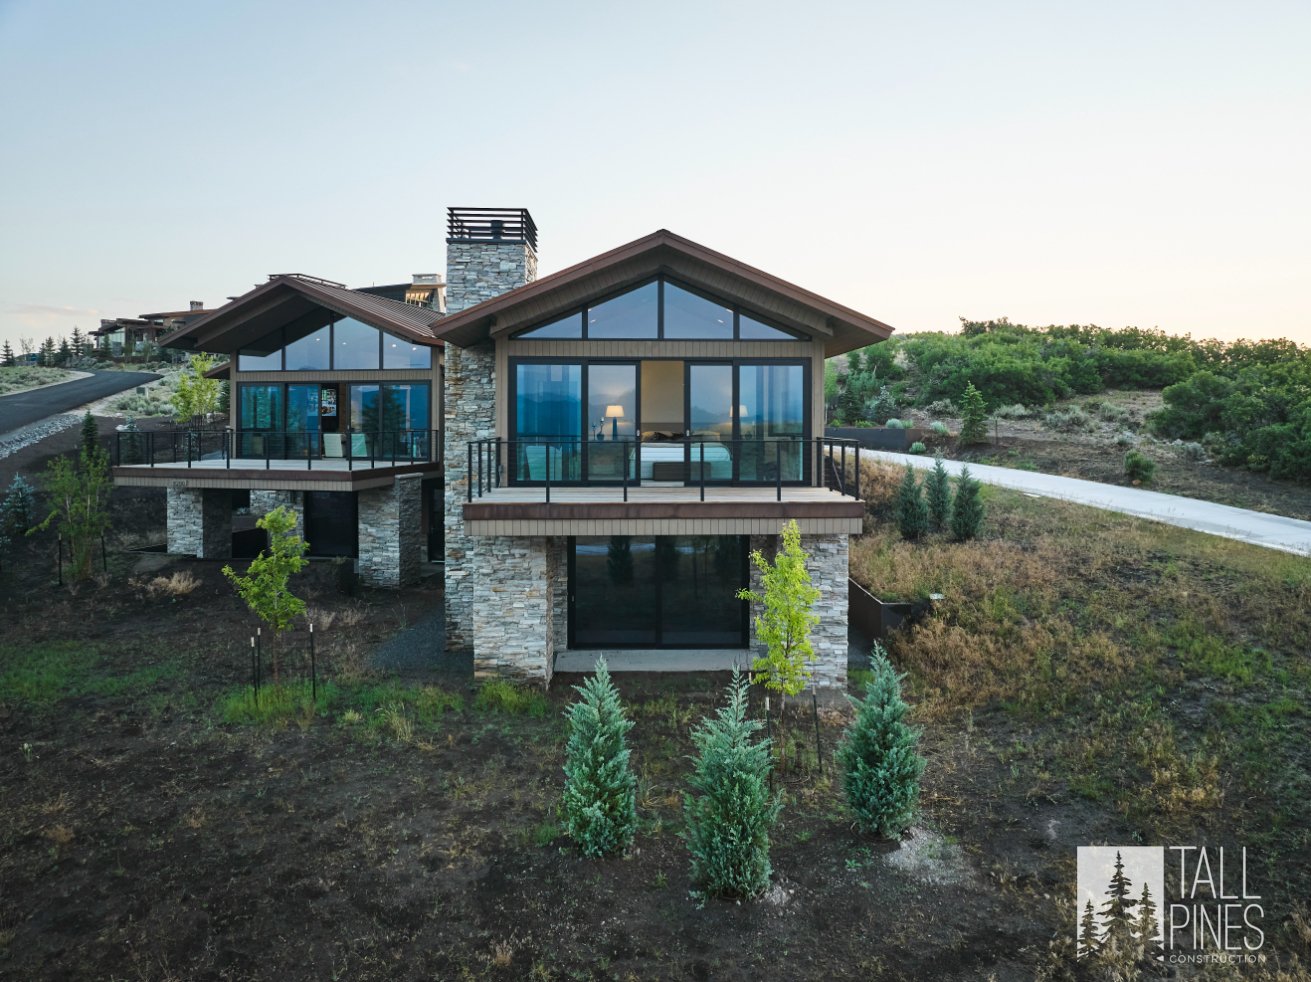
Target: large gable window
[[658, 309], [319, 344]]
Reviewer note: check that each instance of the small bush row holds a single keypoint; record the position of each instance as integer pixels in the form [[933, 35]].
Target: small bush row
[[730, 808]]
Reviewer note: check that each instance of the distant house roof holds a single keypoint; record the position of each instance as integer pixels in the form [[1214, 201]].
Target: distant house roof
[[285, 296], [839, 327]]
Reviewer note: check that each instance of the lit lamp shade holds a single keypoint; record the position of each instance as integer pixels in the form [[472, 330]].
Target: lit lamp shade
[[613, 414]]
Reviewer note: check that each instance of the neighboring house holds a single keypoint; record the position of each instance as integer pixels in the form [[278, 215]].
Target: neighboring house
[[618, 436], [335, 410], [136, 335]]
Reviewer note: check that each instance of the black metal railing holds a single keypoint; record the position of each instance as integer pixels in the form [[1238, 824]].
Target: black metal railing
[[490, 225], [546, 463], [280, 448]]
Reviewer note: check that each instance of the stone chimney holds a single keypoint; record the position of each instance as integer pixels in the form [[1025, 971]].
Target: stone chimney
[[198, 305], [489, 251]]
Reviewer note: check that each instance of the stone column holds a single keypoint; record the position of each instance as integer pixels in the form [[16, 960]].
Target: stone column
[[263, 502], [475, 271], [200, 522], [390, 533], [511, 583]]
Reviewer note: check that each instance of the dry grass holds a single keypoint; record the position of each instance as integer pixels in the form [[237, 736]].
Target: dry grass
[[179, 584]]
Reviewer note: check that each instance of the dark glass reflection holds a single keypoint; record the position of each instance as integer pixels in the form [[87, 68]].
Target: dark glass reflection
[[688, 315], [750, 329], [548, 421], [355, 345], [265, 355], [772, 407], [634, 314], [663, 591], [570, 326]]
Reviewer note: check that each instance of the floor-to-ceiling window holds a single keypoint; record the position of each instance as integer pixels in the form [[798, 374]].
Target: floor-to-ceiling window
[[390, 420], [742, 420], [548, 421], [657, 591]]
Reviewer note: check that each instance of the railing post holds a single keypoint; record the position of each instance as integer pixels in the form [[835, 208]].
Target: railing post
[[778, 470], [468, 474], [624, 456], [268, 446], [480, 470], [844, 467], [150, 447], [118, 448], [703, 470], [548, 473], [857, 471], [188, 435]]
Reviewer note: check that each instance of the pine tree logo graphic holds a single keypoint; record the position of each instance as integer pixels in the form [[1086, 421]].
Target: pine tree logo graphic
[[1119, 891]]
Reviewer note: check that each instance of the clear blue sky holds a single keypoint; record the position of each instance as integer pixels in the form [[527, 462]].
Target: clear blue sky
[[1109, 162]]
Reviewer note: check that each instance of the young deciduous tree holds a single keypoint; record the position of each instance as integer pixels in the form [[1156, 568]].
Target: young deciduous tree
[[78, 489], [974, 417], [912, 513], [266, 584], [600, 813], [730, 811], [880, 762], [937, 494], [787, 615], [967, 508], [195, 396]]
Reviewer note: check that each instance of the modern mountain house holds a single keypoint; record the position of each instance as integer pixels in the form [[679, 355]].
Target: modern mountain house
[[595, 453]]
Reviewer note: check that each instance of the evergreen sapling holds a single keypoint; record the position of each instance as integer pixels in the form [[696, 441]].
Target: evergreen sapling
[[974, 417], [730, 811], [912, 512], [967, 508], [937, 487], [878, 754], [600, 810]]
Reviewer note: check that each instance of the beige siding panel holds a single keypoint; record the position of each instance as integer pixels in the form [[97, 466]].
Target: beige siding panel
[[686, 526]]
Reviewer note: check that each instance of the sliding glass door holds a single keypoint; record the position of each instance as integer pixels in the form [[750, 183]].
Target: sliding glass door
[[657, 592]]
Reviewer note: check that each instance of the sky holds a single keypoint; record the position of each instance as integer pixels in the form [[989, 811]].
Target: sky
[[1118, 163]]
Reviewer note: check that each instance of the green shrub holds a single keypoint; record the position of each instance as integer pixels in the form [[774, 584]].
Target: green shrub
[[730, 811], [917, 447], [1138, 467], [18, 510], [967, 508], [277, 704], [939, 428], [974, 417], [895, 424], [912, 512], [878, 754], [501, 696], [599, 794], [937, 494], [1068, 419]]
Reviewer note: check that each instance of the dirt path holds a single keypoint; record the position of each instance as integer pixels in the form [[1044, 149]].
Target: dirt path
[[1272, 531]]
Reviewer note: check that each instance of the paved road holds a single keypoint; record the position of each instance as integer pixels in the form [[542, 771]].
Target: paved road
[[1259, 528], [23, 408]]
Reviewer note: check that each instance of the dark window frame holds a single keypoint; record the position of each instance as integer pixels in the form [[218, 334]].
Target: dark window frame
[[737, 308], [331, 328]]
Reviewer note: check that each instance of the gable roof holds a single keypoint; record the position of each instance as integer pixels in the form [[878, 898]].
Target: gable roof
[[286, 296], [839, 327]]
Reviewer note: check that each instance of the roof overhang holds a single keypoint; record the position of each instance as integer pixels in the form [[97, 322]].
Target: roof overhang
[[840, 328], [282, 300]]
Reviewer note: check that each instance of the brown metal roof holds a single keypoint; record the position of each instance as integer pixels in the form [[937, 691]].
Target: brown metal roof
[[841, 328], [241, 320]]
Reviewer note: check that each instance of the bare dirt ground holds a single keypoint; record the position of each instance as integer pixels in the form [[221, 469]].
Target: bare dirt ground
[[402, 829]]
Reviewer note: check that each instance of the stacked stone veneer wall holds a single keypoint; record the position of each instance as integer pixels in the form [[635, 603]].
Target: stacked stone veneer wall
[[390, 527], [512, 581], [263, 502], [200, 522], [475, 271], [828, 567]]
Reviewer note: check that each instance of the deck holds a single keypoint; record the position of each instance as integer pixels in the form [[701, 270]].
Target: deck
[[259, 473], [662, 509]]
